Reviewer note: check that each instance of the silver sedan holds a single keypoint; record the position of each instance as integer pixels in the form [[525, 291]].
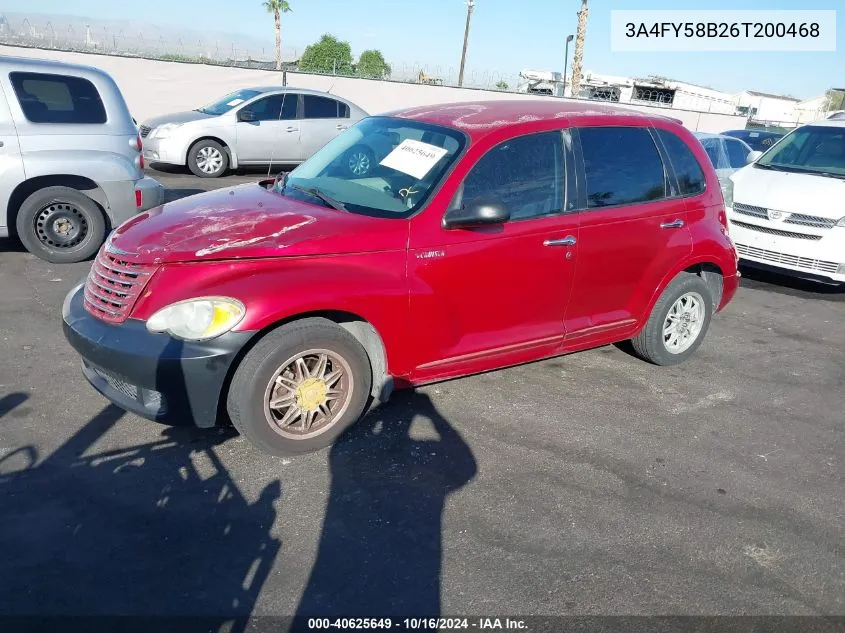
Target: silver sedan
[[253, 126]]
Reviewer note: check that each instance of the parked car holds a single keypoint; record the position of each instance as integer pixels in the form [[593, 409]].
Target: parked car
[[758, 140], [493, 234], [726, 154], [254, 126], [70, 158], [787, 209]]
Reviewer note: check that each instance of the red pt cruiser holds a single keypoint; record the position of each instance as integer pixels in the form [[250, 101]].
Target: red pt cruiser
[[427, 244]]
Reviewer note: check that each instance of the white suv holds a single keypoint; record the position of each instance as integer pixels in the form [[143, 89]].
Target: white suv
[[787, 209]]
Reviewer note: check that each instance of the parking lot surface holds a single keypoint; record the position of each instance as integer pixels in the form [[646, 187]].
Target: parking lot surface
[[592, 483]]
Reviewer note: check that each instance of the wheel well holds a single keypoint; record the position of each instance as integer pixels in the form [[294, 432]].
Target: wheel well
[[28, 187], [209, 138], [357, 326], [713, 277]]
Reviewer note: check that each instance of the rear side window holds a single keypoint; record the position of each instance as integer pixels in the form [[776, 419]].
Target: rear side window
[[274, 108], [737, 154], [525, 173], [46, 98], [687, 170], [322, 108], [622, 166]]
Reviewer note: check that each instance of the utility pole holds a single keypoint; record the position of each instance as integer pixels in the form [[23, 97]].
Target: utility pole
[[470, 7], [565, 61], [578, 57]]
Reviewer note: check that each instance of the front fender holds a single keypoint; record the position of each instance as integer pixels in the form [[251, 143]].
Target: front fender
[[370, 286]]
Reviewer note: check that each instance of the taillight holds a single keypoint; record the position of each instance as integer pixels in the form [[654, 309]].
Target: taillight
[[139, 198], [141, 162]]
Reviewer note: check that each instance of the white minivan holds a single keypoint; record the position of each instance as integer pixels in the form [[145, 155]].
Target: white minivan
[[787, 208]]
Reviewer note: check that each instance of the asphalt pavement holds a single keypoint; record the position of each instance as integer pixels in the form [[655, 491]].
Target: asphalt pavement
[[588, 484]]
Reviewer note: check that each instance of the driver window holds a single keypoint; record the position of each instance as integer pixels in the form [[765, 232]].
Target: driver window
[[274, 108], [524, 173]]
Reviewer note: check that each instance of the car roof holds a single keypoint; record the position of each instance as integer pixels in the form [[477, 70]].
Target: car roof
[[309, 91], [827, 123], [479, 118], [714, 135], [29, 64]]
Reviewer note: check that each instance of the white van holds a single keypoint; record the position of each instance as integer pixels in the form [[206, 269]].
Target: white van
[[787, 208]]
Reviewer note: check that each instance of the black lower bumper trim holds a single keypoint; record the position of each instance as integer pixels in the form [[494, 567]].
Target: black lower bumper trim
[[152, 375], [788, 272]]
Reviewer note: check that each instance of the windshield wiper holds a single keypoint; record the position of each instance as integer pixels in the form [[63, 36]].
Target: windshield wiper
[[313, 191]]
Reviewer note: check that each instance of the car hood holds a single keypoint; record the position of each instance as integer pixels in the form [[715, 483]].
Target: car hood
[[249, 221], [177, 117], [790, 192]]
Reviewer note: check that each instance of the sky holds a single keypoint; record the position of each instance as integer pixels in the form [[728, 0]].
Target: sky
[[506, 36]]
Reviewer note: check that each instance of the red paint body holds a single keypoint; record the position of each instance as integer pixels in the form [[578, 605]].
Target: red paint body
[[444, 302]]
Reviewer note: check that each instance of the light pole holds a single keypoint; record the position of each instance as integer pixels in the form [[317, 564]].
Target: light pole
[[470, 6], [565, 60]]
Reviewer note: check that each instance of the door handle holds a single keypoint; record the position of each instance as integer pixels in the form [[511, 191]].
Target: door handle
[[292, 129], [342, 127], [566, 241], [676, 224]]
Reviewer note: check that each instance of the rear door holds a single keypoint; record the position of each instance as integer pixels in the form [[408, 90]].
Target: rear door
[[322, 119], [632, 227], [273, 133], [11, 162]]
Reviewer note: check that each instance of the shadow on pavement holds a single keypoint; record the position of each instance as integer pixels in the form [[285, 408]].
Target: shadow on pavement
[[791, 286], [380, 547], [12, 401], [154, 529]]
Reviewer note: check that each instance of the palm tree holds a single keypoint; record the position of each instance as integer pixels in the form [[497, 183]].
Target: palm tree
[[277, 7]]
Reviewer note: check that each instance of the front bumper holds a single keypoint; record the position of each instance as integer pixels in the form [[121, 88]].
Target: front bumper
[[822, 259], [152, 375], [169, 151]]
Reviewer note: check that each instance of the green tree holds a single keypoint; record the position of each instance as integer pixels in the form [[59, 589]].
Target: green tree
[[329, 55], [502, 84], [371, 64], [277, 7]]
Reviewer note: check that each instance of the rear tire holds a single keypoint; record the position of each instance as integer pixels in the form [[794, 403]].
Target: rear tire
[[61, 225], [315, 400], [678, 322], [208, 159]]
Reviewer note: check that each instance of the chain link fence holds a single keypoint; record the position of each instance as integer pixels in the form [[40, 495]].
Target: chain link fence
[[151, 45]]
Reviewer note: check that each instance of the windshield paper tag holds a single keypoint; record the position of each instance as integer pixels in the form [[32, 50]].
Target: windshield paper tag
[[235, 102], [414, 158]]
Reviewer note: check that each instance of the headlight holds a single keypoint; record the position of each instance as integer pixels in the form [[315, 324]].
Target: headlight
[[841, 222], [163, 131], [198, 319], [728, 192]]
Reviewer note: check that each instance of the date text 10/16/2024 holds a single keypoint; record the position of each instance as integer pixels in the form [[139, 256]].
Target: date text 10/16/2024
[[418, 624]]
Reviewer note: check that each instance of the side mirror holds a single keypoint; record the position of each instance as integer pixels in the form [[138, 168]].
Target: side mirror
[[478, 212], [246, 115], [753, 156]]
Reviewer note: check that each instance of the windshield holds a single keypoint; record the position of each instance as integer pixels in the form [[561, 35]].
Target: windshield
[[228, 102], [383, 166], [810, 149]]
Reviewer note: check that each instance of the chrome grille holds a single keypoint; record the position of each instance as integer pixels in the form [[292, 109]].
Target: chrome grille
[[771, 231], [790, 260], [795, 218], [811, 220], [145, 130], [113, 286], [747, 209]]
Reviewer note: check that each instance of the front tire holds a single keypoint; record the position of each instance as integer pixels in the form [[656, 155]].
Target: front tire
[[359, 161], [678, 322], [300, 387], [61, 225], [208, 159]]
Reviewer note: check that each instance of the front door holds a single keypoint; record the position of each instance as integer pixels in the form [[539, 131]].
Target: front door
[[272, 134], [633, 228], [322, 119], [11, 162], [490, 296]]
